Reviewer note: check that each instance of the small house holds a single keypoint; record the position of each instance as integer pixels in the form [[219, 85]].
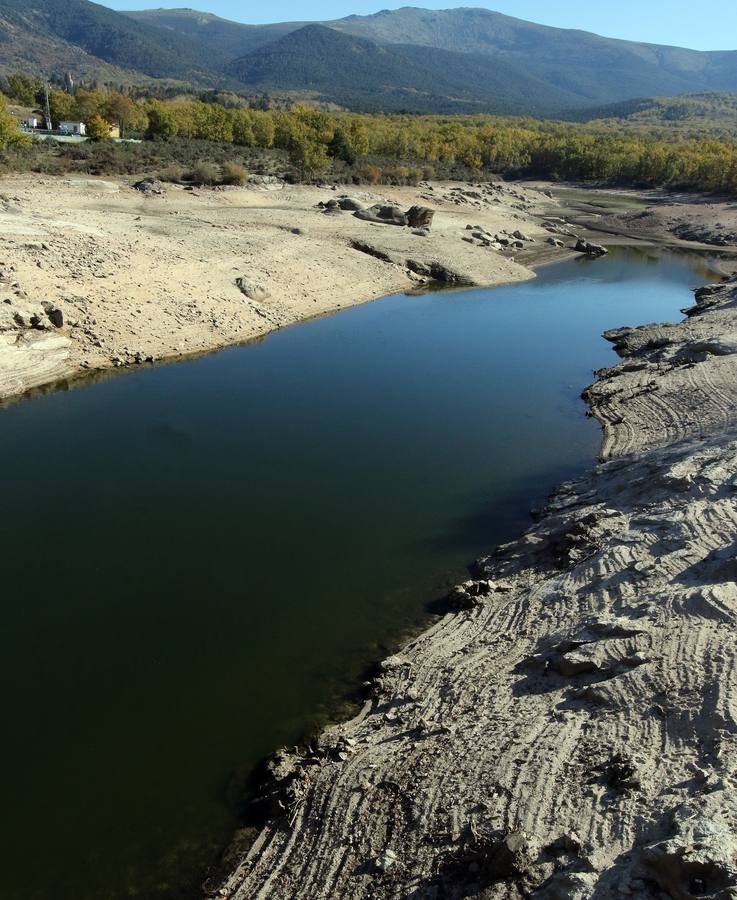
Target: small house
[[73, 128], [114, 130], [34, 122]]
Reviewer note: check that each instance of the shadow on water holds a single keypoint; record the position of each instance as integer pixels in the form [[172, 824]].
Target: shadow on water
[[202, 559]]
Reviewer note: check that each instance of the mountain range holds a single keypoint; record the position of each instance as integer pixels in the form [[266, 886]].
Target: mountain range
[[415, 60]]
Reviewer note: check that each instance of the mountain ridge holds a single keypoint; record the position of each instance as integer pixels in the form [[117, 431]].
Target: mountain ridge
[[412, 59]]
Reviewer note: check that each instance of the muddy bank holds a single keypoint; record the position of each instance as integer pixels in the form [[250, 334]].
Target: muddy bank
[[98, 274], [688, 221], [570, 729]]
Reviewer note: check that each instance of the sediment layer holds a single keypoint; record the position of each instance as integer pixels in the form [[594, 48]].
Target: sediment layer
[[569, 730]]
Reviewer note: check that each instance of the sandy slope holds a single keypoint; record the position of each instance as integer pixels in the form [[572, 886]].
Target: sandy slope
[[571, 730], [147, 277]]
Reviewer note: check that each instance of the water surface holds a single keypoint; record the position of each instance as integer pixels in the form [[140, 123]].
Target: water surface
[[200, 559]]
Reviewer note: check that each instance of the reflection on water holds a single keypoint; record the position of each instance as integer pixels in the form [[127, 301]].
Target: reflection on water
[[201, 558]]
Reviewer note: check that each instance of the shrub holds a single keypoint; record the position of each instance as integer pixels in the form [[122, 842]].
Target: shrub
[[204, 173], [173, 173], [370, 174], [234, 173]]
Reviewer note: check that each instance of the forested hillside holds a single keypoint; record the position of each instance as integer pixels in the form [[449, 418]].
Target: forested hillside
[[307, 143]]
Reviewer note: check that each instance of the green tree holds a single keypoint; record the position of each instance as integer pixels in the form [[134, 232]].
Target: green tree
[[162, 124], [89, 104], [23, 88], [61, 105]]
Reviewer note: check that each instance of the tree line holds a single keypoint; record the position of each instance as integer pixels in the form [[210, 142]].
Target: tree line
[[358, 145]]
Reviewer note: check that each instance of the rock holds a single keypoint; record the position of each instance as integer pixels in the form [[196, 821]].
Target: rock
[[708, 290], [555, 242], [521, 236], [421, 232], [56, 317], [420, 217], [267, 182], [348, 203], [150, 187], [370, 250], [419, 268], [590, 249], [386, 215], [386, 861], [252, 289]]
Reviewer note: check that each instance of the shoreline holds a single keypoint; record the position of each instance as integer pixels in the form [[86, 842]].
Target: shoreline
[[86, 277], [566, 732], [97, 275]]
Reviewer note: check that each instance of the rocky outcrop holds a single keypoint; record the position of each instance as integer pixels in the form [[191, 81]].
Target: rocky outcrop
[[384, 215], [569, 729], [415, 217], [714, 235], [590, 249]]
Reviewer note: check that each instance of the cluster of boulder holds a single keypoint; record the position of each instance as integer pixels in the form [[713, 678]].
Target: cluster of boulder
[[18, 313], [714, 236], [419, 217], [502, 240], [589, 248]]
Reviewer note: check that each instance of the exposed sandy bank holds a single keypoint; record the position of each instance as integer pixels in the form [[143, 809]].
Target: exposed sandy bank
[[571, 730], [138, 277]]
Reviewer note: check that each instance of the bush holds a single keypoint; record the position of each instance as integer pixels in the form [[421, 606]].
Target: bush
[[205, 173], [370, 174], [234, 173], [173, 173]]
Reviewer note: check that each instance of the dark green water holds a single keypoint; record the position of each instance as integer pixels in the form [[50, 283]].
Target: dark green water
[[199, 560]]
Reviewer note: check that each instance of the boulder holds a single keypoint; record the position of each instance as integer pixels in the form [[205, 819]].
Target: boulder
[[386, 215], [252, 289], [150, 187], [348, 203], [420, 217], [590, 249]]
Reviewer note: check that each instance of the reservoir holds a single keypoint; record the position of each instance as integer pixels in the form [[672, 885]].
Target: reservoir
[[200, 560]]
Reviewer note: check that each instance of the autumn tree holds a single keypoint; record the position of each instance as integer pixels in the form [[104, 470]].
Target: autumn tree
[[98, 128], [125, 112], [10, 133]]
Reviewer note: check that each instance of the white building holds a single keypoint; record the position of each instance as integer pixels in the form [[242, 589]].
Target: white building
[[72, 128], [33, 122]]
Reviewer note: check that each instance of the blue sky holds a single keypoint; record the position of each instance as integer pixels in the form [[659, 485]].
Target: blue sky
[[706, 25]]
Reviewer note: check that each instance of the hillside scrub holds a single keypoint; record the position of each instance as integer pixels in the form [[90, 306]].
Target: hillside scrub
[[310, 143]]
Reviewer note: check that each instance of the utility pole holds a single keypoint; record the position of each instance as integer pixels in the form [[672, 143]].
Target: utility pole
[[47, 111]]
